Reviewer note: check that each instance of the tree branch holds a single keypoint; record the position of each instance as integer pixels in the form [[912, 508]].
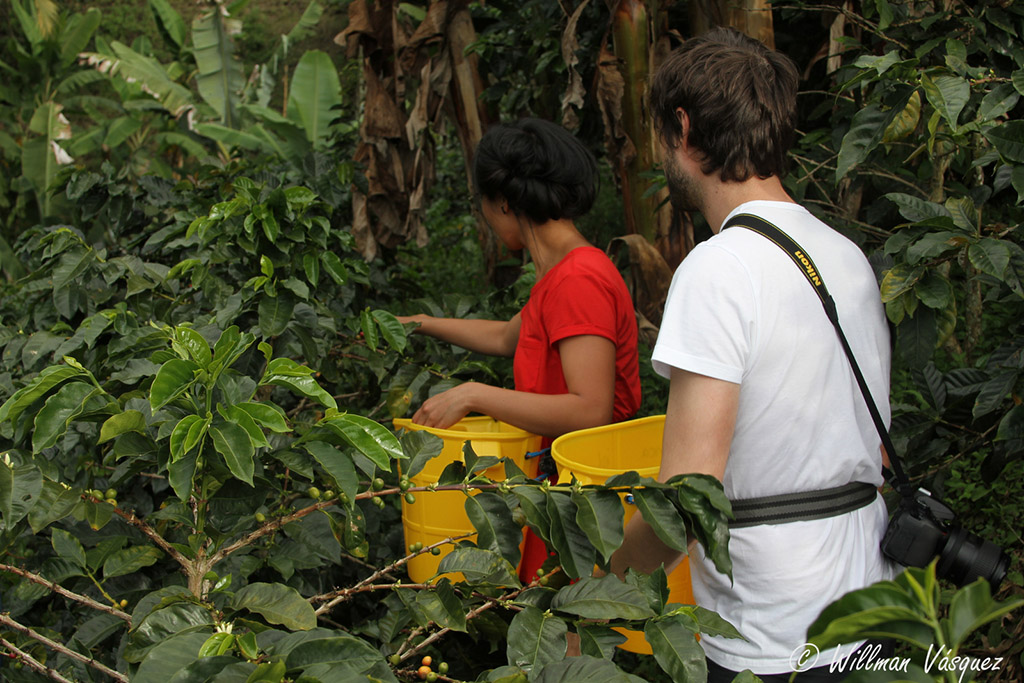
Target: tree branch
[[60, 590], [141, 525], [53, 645], [335, 598], [31, 662]]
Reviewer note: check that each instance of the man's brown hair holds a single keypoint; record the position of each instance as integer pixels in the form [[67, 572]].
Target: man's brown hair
[[740, 97]]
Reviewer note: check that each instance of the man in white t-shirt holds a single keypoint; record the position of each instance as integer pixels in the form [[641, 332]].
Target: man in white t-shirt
[[762, 395]]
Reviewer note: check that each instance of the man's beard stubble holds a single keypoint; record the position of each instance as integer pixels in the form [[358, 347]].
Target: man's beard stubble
[[683, 192]]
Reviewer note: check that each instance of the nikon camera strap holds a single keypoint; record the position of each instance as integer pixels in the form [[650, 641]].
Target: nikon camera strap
[[827, 502]]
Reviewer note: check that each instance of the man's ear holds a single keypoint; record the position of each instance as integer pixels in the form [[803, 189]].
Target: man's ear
[[684, 124]]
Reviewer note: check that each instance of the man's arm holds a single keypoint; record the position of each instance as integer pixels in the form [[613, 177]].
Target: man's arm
[[699, 424]]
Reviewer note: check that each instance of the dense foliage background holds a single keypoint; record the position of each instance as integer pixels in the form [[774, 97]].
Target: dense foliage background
[[210, 214]]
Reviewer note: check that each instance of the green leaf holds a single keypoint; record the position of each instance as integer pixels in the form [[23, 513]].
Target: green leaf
[[533, 502], [186, 435], [972, 607], [266, 415], [276, 312], [353, 652], [189, 344], [934, 290], [496, 531], [68, 548], [662, 517], [866, 131], [169, 22], [915, 209], [369, 329], [420, 447], [268, 672], [243, 420], [582, 669], [442, 606], [392, 330], [278, 604], [368, 437], [574, 550], [883, 609], [599, 514], [701, 620], [997, 102], [993, 393], [173, 654], [315, 95], [129, 64], [55, 502], [599, 641], [172, 380], [535, 638], [991, 256], [1008, 139], [949, 96], [232, 442], [219, 78], [602, 598], [709, 525], [130, 560], [337, 465], [287, 373], [676, 649], [334, 267], [180, 473], [479, 566], [70, 401], [122, 423], [214, 667], [44, 382], [899, 279], [19, 489]]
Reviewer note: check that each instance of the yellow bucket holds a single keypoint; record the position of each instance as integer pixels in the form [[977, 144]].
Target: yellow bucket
[[593, 455], [437, 515]]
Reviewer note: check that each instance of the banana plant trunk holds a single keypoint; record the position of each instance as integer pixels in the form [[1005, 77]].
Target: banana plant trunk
[[633, 42], [752, 17]]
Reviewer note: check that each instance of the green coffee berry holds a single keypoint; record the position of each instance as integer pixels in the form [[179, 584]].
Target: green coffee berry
[[313, 492], [378, 484], [409, 498]]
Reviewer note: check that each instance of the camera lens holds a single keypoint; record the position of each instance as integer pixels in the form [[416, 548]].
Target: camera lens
[[965, 557]]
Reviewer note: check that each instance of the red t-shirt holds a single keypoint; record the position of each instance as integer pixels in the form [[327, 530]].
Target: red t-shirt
[[583, 294]]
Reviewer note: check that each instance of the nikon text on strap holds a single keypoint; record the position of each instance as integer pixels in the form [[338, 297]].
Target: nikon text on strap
[[813, 504]]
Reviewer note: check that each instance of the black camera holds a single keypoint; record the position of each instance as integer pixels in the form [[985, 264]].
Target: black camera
[[923, 527]]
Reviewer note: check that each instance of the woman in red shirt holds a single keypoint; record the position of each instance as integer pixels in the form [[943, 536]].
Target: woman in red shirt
[[575, 341]]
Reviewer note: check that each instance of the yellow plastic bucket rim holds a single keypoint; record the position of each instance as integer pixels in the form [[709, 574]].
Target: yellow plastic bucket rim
[[512, 433], [584, 468]]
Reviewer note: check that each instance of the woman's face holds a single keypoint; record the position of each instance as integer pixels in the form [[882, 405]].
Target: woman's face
[[503, 222]]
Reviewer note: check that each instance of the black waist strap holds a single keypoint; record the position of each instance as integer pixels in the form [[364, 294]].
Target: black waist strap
[[801, 507]]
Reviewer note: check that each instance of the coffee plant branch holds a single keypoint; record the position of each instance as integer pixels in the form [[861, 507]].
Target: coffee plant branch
[[31, 662], [60, 590], [53, 645]]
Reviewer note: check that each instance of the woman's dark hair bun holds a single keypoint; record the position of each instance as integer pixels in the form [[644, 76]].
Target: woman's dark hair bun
[[538, 167]]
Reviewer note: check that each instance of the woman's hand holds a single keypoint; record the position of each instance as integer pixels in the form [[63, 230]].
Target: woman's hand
[[448, 407], [419, 319]]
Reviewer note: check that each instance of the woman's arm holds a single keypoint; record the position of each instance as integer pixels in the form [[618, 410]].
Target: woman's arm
[[588, 362], [490, 337]]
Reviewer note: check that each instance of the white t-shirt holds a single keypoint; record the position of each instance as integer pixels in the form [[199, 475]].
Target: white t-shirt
[[740, 310]]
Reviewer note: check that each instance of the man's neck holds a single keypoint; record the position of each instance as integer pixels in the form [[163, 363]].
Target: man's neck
[[720, 198]]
